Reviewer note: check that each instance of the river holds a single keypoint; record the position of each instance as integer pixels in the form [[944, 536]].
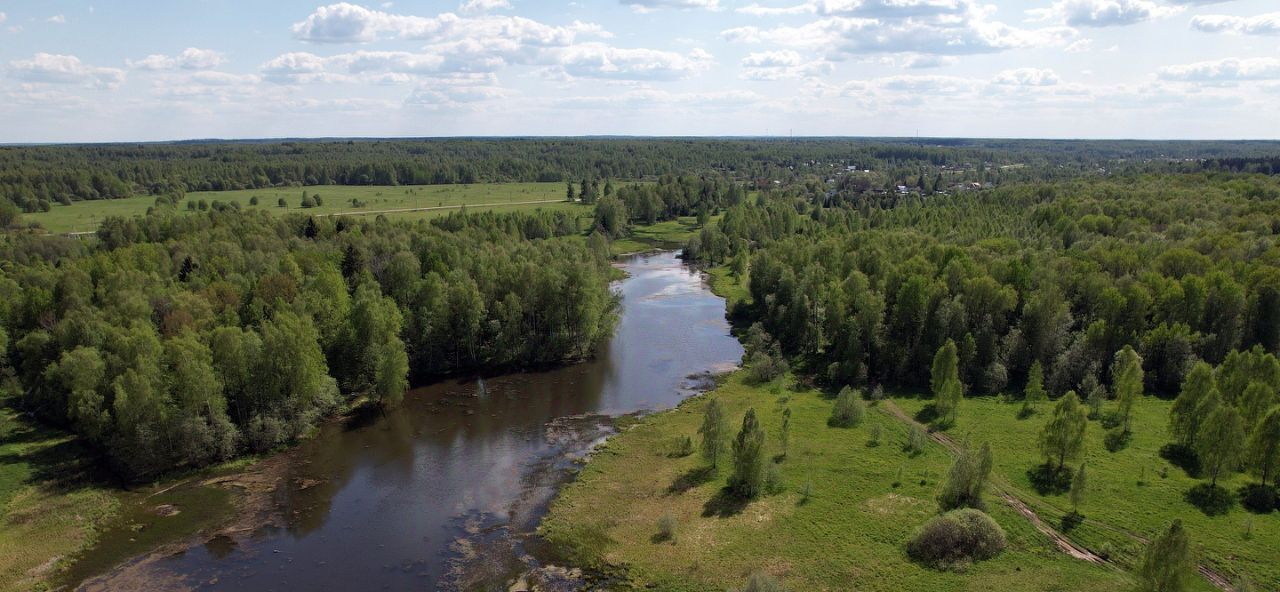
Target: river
[[446, 490]]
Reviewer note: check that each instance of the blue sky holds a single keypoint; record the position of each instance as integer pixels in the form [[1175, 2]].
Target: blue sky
[[119, 70]]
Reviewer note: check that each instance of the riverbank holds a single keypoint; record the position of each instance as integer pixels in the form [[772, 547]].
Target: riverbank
[[852, 497], [56, 504], [847, 507]]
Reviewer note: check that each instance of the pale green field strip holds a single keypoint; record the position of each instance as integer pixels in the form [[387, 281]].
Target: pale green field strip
[[431, 200]]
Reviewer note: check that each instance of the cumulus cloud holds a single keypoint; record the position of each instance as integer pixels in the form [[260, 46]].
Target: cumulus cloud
[[1103, 13], [1026, 77], [841, 37], [921, 62], [651, 99], [458, 44], [584, 60], [652, 5], [3, 17], [57, 19], [877, 9], [191, 58], [455, 92], [473, 6], [65, 69], [349, 23], [597, 60], [781, 65], [1263, 24], [1224, 70]]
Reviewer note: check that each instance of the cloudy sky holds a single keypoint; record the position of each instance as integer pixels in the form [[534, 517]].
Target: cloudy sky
[[108, 70]]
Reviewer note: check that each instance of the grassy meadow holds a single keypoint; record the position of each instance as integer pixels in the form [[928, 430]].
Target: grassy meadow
[[1131, 493], [84, 216], [865, 501]]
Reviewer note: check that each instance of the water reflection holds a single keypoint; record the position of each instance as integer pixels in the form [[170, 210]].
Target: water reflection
[[387, 501]]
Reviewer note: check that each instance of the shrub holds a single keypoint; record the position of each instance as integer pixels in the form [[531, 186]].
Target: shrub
[[1117, 439], [847, 411], [666, 528], [762, 582], [916, 439], [1211, 499], [876, 431], [1258, 498], [762, 368], [773, 480], [683, 447], [956, 538]]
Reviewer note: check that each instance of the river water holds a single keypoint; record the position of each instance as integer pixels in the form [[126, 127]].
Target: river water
[[445, 491]]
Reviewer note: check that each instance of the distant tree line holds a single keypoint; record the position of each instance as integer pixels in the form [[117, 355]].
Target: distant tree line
[[33, 178]]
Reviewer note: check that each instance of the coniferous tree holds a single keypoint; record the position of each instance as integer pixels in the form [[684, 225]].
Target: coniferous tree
[[714, 430], [748, 478]]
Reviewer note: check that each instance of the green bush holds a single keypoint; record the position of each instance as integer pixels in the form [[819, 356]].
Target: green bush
[[957, 538], [848, 409]]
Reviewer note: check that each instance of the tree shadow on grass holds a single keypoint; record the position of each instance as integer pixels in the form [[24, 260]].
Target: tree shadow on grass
[[1183, 457], [724, 504], [690, 479], [1049, 480], [927, 414]]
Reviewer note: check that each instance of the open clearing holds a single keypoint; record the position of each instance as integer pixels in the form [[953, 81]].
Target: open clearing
[[849, 534], [84, 216]]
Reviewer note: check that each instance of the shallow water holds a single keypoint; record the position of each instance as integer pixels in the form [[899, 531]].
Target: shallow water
[[444, 491]]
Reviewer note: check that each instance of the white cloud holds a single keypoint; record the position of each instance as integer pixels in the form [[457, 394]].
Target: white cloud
[[56, 19], [1103, 13], [64, 69], [877, 9], [840, 37], [597, 60], [1225, 70], [3, 17], [1026, 77], [652, 5], [1263, 24], [191, 58], [659, 100], [781, 65], [920, 62], [348, 23], [483, 43], [473, 6]]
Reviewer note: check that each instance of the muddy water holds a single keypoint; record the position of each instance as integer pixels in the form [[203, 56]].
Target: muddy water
[[444, 491]]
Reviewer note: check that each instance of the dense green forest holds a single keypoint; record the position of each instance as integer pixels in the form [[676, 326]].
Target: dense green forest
[[34, 177], [178, 340], [1103, 289]]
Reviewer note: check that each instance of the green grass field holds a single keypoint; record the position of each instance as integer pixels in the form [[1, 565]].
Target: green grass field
[[849, 535], [85, 216], [1131, 493]]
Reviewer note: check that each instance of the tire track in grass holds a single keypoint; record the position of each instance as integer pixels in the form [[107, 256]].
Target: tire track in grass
[[1013, 497]]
